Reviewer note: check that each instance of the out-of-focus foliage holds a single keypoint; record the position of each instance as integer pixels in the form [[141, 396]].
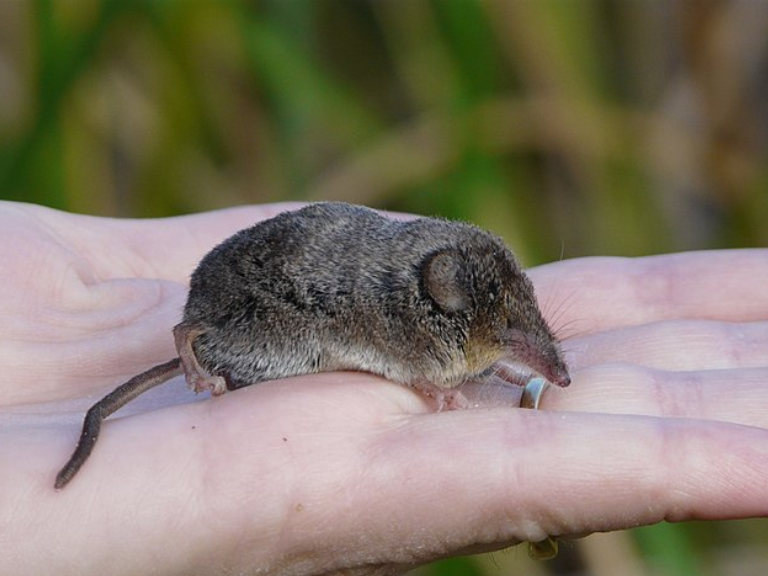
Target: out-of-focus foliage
[[569, 127], [573, 127]]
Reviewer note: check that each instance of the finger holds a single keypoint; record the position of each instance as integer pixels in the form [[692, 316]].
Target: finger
[[590, 294], [278, 471], [167, 248], [559, 474], [737, 396], [674, 345], [458, 481]]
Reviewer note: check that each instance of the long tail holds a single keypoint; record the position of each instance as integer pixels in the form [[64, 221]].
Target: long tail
[[110, 404]]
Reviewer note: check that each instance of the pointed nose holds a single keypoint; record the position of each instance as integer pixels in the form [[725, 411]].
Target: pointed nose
[[559, 376], [563, 381], [541, 354]]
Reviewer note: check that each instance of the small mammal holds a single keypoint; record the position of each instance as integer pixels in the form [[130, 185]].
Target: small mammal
[[427, 303]]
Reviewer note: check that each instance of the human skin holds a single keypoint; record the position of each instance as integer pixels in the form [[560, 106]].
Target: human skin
[[665, 418]]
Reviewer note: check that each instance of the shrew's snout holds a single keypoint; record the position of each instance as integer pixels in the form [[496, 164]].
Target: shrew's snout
[[543, 357], [558, 376]]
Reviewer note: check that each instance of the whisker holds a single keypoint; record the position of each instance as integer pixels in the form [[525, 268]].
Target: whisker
[[569, 330], [556, 314]]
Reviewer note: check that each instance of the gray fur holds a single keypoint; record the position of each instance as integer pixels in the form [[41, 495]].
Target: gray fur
[[339, 287], [332, 286]]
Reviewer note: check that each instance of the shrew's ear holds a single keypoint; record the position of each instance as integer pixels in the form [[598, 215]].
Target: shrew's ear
[[442, 280]]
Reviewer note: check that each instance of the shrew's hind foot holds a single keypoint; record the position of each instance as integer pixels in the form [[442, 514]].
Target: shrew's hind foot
[[198, 379]]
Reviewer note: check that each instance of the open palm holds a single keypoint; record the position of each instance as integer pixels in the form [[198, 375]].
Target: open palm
[[665, 418]]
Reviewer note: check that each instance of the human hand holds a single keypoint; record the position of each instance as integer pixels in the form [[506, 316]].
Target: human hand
[[309, 475]]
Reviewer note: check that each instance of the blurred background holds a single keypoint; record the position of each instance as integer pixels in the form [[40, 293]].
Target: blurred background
[[568, 127]]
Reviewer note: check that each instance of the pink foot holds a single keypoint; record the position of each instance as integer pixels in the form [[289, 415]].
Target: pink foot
[[198, 379], [444, 399]]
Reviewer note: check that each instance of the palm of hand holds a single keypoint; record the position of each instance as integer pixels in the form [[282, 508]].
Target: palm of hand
[[347, 470]]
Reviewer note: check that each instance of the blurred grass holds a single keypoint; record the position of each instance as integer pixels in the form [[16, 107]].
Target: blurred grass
[[570, 128]]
